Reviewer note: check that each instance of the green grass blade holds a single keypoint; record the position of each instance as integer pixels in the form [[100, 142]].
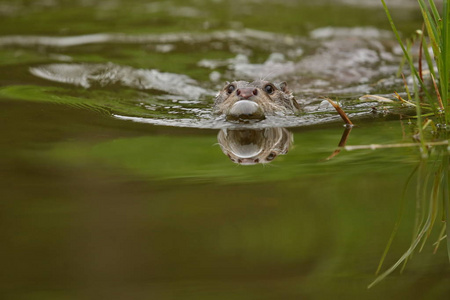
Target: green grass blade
[[405, 255], [416, 77], [441, 237], [433, 28], [445, 196], [446, 56], [423, 148], [405, 52], [436, 15], [397, 223], [428, 58]]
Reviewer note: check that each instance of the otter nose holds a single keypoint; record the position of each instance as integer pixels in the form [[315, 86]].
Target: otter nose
[[245, 93]]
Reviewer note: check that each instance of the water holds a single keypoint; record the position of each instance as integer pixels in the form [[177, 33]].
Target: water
[[117, 182]]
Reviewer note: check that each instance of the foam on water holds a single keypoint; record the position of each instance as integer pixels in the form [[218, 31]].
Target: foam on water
[[86, 75]]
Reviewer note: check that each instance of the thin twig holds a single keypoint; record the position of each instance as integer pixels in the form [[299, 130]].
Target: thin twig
[[441, 105], [342, 142], [340, 112], [403, 100], [404, 145], [406, 87], [420, 52]]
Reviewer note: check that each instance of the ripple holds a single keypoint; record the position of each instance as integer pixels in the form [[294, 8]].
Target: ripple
[[343, 62], [86, 75], [211, 122], [246, 36]]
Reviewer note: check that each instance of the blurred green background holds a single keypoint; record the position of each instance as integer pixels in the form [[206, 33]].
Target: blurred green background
[[94, 207]]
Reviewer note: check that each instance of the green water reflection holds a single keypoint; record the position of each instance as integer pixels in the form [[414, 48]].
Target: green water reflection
[[96, 207]]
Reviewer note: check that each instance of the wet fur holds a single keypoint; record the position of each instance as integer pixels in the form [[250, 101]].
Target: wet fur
[[281, 100]]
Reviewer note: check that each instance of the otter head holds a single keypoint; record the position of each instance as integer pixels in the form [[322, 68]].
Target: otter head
[[242, 100]]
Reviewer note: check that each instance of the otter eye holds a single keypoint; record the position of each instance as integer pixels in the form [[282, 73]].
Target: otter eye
[[230, 89], [269, 89], [271, 156]]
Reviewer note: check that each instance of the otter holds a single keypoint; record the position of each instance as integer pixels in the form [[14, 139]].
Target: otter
[[243, 101]]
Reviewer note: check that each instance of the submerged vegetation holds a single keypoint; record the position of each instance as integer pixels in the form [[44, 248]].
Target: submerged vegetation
[[431, 207], [430, 97]]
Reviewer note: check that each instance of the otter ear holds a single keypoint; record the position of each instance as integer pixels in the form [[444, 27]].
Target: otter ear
[[283, 86]]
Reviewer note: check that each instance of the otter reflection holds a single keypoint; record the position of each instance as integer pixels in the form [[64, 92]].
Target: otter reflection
[[253, 146]]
